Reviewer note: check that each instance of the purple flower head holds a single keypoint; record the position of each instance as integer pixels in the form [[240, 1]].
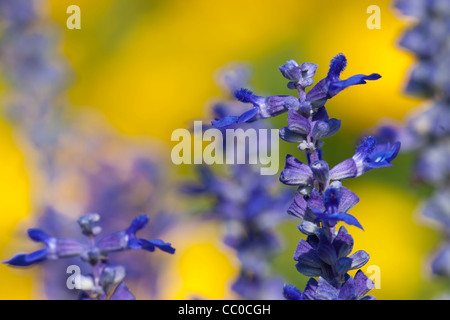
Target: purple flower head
[[331, 85], [300, 75], [369, 155], [126, 239], [320, 202], [122, 293], [100, 284], [301, 129], [296, 173], [55, 248], [18, 13]]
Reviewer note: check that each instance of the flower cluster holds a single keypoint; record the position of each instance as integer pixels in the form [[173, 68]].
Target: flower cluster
[[321, 201], [426, 132], [246, 202], [106, 281]]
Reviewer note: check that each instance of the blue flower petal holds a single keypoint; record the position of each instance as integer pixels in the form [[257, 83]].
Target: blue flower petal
[[38, 235], [114, 242], [363, 284], [376, 165], [25, 260]]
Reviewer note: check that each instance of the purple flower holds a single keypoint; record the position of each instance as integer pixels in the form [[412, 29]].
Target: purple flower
[[300, 75], [441, 261], [353, 289], [100, 283], [54, 249], [368, 156], [263, 107]]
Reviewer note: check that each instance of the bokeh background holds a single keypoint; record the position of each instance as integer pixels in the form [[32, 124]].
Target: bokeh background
[[147, 68]]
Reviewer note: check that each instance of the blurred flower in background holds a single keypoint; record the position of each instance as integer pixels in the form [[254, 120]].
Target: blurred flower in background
[[145, 68], [426, 131]]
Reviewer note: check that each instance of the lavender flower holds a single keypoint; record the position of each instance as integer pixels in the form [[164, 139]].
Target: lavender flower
[[266, 107], [426, 131], [321, 201], [105, 277]]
